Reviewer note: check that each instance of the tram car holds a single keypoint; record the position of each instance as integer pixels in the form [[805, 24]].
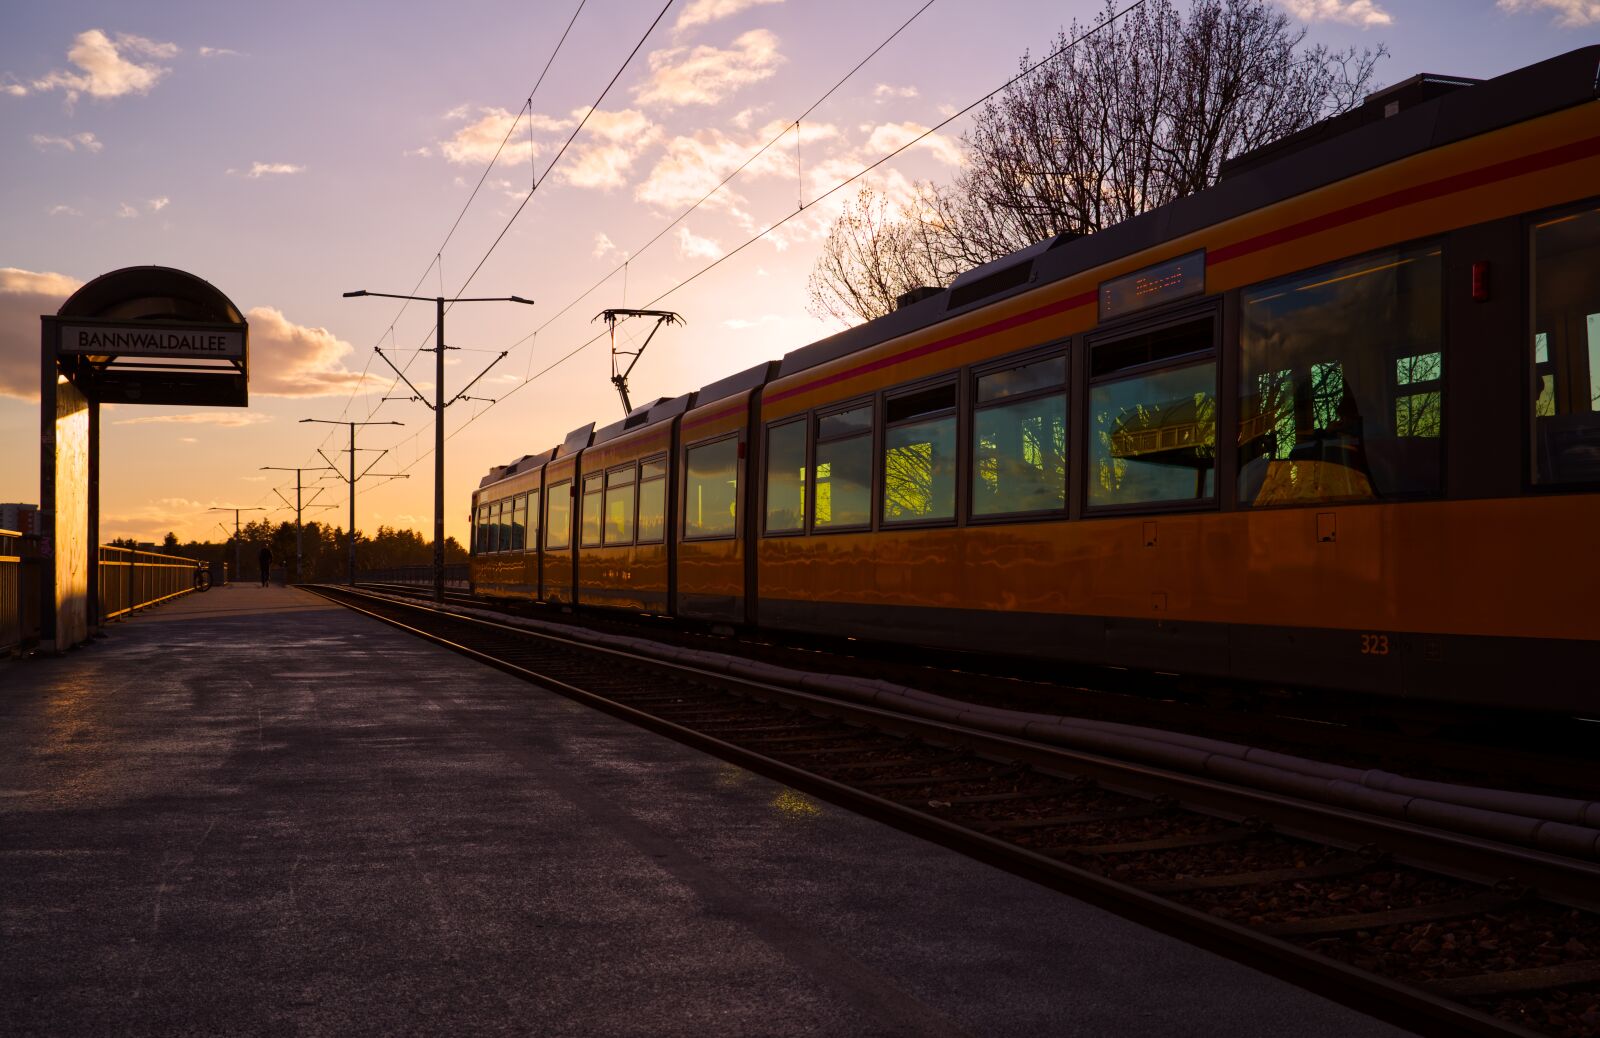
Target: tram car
[[1334, 422]]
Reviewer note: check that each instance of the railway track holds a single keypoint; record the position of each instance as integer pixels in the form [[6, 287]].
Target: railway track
[[1438, 932], [1536, 755]]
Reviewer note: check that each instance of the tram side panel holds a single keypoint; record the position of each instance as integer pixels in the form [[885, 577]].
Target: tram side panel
[[622, 552]]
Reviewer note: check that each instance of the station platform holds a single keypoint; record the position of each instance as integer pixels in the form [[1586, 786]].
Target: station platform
[[254, 812]]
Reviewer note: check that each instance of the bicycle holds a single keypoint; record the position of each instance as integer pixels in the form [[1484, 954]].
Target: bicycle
[[202, 577]]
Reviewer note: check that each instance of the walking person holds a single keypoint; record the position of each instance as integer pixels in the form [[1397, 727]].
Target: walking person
[[265, 558]]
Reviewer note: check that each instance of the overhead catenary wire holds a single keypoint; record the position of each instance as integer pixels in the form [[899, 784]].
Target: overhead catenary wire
[[439, 252], [841, 185], [539, 180]]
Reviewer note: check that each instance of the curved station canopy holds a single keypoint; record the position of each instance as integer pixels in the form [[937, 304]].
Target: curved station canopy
[[153, 335]]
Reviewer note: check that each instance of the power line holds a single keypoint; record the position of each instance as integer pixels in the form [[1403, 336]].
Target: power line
[[439, 252], [799, 210], [541, 179]]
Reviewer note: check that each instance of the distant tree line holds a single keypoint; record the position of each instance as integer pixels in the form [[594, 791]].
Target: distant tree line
[[326, 548], [1143, 111]]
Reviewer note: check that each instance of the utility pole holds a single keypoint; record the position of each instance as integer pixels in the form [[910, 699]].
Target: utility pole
[[353, 478], [237, 572], [438, 406], [299, 548]]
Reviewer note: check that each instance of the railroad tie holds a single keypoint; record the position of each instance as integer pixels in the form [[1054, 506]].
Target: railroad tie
[[1346, 866], [1536, 979], [1479, 903], [1169, 843]]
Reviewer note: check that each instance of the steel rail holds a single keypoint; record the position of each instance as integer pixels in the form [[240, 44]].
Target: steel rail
[[1407, 1006]]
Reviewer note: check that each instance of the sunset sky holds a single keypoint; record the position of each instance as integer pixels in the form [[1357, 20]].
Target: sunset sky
[[292, 151]]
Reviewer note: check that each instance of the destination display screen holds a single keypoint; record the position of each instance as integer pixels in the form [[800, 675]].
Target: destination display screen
[[1152, 286]]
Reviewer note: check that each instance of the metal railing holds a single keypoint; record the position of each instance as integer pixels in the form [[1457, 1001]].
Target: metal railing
[[455, 575], [132, 579]]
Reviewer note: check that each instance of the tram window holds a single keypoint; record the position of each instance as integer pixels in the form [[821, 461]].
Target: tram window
[[494, 527], [842, 470], [558, 515], [919, 456], [1023, 379], [1566, 347], [619, 506], [1341, 381], [1019, 445], [531, 514], [519, 522], [711, 489], [652, 501], [482, 531], [1153, 436], [593, 491], [786, 477]]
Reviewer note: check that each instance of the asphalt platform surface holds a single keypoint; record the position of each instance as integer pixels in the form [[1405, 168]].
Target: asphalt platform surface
[[252, 812]]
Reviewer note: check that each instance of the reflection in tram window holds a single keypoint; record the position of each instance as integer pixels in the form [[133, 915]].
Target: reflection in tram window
[[1341, 381], [1154, 437], [482, 538], [1566, 347], [786, 477], [1019, 447], [496, 511], [519, 521], [593, 490], [919, 456], [619, 506], [558, 515], [652, 501], [843, 470], [711, 489], [532, 516]]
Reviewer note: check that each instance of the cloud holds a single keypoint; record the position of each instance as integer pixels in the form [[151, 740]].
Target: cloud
[[226, 417], [106, 69], [1573, 14], [741, 323], [155, 205], [12, 87], [612, 141], [1364, 13], [127, 212], [421, 151], [604, 246], [294, 360], [706, 75], [883, 92], [692, 166], [477, 142], [24, 295], [86, 141], [191, 439], [258, 170], [64, 210], [692, 246], [704, 12], [886, 138], [219, 52]]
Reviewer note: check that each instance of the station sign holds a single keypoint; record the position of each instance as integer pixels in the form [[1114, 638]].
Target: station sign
[[192, 342]]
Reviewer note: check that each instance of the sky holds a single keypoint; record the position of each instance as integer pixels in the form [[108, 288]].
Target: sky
[[294, 151]]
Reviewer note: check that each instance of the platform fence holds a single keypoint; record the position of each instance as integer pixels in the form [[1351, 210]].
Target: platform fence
[[131, 579], [19, 572]]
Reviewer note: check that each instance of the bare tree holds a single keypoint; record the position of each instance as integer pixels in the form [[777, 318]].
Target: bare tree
[[1142, 112]]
